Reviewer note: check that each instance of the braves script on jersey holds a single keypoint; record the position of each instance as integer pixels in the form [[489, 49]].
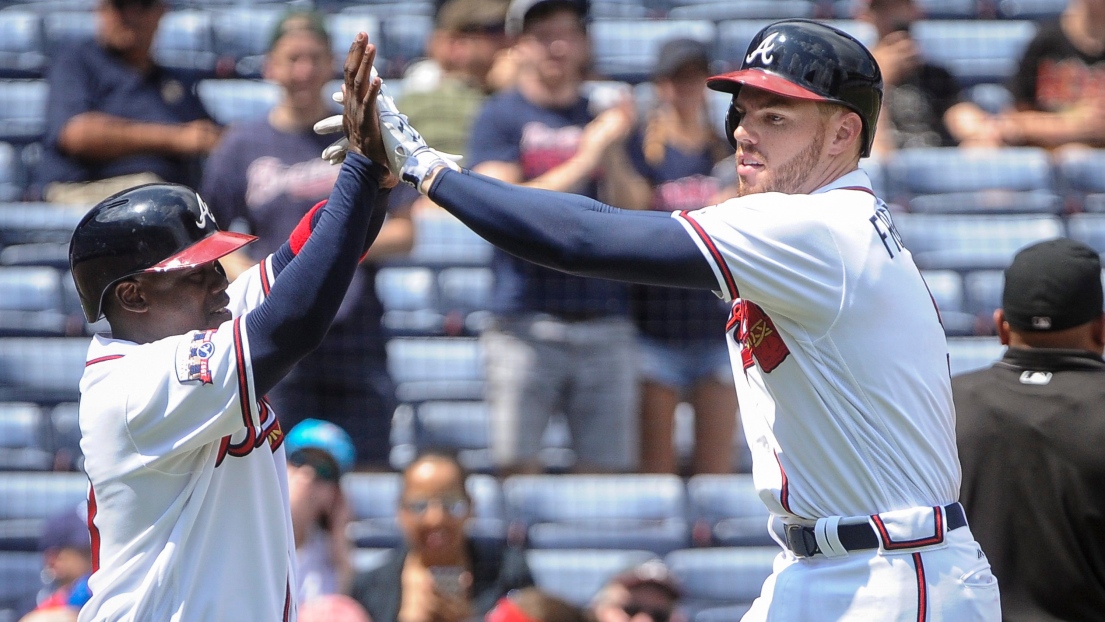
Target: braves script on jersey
[[185, 464], [840, 361]]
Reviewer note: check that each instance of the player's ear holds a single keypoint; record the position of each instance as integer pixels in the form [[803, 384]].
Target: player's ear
[[128, 296], [1098, 332], [1002, 326], [847, 131]]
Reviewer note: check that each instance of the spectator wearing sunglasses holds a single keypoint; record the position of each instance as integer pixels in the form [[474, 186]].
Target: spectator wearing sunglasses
[[439, 573], [647, 592], [319, 453]]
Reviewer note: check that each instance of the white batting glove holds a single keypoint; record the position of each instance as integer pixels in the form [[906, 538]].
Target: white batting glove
[[335, 153], [408, 154]]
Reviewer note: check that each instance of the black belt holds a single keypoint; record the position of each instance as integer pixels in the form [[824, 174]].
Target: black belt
[[802, 541]]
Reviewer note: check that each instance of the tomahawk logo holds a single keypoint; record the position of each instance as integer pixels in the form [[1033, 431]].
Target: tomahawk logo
[[205, 213], [764, 51]]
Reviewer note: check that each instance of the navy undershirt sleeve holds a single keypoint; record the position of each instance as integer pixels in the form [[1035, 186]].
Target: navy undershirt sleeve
[[575, 234], [297, 313]]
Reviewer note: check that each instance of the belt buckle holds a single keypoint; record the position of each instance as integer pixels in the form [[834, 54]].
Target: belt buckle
[[801, 540]]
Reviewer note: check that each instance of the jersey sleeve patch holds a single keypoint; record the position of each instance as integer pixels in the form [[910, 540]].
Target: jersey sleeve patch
[[193, 358]]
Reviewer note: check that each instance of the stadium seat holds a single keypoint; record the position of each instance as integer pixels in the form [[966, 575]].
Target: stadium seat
[[951, 180], [971, 242], [1081, 174], [11, 173], [366, 559], [971, 353], [22, 50], [231, 101], [645, 512], [30, 222], [22, 110], [931, 9], [44, 370], [576, 575], [27, 500], [626, 50], [427, 368], [24, 438], [185, 42], [31, 302], [727, 511], [465, 296], [946, 287], [344, 26], [20, 581], [402, 41], [718, 10], [619, 9], [409, 296], [66, 434], [730, 613], [440, 240], [1088, 229], [974, 51], [1037, 10], [721, 576], [982, 295], [241, 38]]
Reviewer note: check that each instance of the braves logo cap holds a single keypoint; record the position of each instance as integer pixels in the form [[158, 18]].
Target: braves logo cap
[[1053, 285]]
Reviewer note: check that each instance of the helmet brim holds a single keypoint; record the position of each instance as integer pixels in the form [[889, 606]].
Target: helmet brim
[[210, 248], [760, 79]]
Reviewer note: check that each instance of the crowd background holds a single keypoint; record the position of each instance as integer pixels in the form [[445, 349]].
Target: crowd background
[[990, 139]]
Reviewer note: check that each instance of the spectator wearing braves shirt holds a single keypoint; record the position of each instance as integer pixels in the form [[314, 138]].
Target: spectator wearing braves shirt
[[1059, 86], [114, 118], [682, 356], [263, 177], [558, 342], [1029, 431]]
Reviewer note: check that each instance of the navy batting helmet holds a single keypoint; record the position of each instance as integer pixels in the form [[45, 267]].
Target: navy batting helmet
[[804, 59], [149, 228]]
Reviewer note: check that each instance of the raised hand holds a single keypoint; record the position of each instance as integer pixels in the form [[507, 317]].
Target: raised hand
[[360, 90]]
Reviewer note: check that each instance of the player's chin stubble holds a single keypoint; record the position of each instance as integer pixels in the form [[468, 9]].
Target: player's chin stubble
[[790, 174]]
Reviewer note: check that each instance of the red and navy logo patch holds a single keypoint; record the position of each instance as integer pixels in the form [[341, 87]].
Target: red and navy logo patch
[[193, 358], [757, 335]]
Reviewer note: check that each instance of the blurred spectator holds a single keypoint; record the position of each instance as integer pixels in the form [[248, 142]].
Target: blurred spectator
[[319, 453], [51, 615], [1029, 431], [647, 592], [681, 355], [558, 343], [66, 560], [114, 118], [922, 102], [332, 608], [467, 40], [1059, 87], [264, 176], [534, 605], [439, 574]]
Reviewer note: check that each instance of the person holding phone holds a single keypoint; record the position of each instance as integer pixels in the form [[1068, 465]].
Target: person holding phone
[[439, 573]]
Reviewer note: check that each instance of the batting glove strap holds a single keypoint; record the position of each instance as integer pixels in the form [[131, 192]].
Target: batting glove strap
[[407, 152]]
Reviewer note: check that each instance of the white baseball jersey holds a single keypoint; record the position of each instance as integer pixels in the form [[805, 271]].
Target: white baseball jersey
[[188, 496], [840, 360]]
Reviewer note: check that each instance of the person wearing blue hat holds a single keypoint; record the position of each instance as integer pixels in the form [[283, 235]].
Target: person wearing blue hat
[[319, 453]]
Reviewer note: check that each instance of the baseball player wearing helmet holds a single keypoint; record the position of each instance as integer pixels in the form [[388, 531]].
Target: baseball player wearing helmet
[[188, 495], [838, 353]]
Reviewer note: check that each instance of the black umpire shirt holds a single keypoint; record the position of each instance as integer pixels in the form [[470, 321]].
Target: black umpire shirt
[[1031, 436]]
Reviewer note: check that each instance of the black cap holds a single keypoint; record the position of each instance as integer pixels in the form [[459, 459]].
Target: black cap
[[123, 4], [1053, 285], [677, 54]]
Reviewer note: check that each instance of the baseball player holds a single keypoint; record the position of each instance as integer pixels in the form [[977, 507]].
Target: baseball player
[[839, 357], [188, 496]]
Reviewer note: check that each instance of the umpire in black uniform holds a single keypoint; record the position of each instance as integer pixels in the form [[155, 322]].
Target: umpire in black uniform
[[1031, 435]]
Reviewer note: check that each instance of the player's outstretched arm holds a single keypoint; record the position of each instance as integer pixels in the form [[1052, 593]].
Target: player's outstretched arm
[[318, 267]]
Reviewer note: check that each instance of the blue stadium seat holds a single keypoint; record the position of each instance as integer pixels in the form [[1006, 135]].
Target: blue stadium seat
[[11, 173], [931, 9], [31, 302], [982, 294], [1038, 10], [727, 511], [20, 581], [66, 434], [969, 242], [22, 49], [31, 222], [54, 254], [24, 438], [620, 9], [946, 287], [409, 296], [730, 613], [241, 37], [1089, 229], [402, 41], [576, 575], [974, 51], [22, 110], [45, 370], [28, 499], [366, 559], [430, 368], [344, 26], [185, 41], [1081, 174], [971, 353], [718, 10], [951, 180], [626, 49], [645, 512], [721, 576], [230, 101], [733, 36], [465, 296], [440, 240]]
